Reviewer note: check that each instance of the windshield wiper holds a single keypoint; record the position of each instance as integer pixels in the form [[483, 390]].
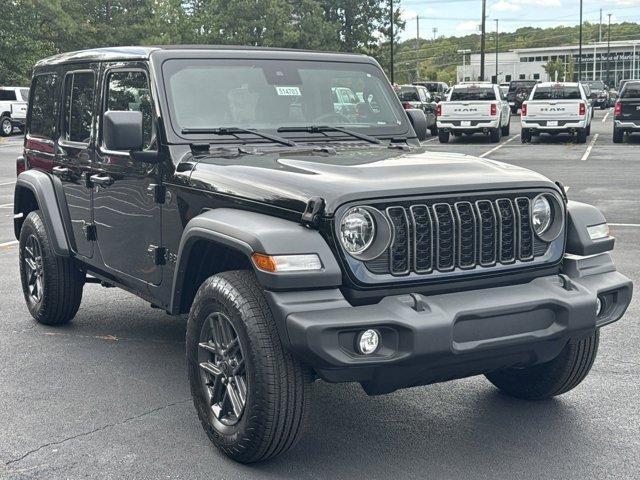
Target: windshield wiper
[[328, 128], [235, 131]]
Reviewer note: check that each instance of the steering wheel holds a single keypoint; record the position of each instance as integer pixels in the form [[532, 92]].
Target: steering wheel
[[335, 115]]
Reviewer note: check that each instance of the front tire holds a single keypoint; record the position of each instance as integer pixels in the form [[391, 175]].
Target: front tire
[[553, 378], [6, 127], [52, 285], [251, 395]]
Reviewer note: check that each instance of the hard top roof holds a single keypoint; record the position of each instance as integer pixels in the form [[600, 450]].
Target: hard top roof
[[108, 54]]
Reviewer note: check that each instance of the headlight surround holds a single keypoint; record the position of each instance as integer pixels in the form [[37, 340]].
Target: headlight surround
[[364, 232], [541, 214], [547, 216], [357, 230]]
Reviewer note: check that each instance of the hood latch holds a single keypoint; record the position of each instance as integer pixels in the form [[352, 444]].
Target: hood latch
[[313, 212]]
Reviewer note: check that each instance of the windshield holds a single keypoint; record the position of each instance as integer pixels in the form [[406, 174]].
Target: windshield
[[408, 94], [473, 93], [631, 90], [269, 94], [596, 85], [518, 85], [564, 92]]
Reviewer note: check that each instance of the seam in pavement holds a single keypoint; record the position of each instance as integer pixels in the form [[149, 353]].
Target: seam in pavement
[[90, 432]]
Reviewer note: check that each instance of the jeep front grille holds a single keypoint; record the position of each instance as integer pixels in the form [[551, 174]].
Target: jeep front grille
[[447, 235]]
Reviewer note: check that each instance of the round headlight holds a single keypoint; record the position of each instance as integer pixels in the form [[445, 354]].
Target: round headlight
[[357, 230], [540, 215]]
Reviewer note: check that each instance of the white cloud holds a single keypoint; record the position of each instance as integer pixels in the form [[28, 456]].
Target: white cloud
[[468, 26], [504, 6]]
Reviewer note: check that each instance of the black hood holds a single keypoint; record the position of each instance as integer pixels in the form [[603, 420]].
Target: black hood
[[290, 180]]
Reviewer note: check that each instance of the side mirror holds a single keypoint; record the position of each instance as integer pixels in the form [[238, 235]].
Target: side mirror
[[438, 98], [122, 131]]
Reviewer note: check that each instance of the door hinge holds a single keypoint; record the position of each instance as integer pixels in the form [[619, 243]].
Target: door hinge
[[90, 232], [157, 192], [159, 254]]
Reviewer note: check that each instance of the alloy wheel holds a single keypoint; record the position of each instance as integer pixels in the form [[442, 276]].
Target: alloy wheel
[[7, 127], [34, 268], [222, 370]]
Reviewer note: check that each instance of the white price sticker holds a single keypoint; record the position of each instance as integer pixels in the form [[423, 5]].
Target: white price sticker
[[288, 91]]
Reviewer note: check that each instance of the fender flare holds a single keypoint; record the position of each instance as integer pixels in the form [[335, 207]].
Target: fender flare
[[41, 185], [579, 217], [251, 232]]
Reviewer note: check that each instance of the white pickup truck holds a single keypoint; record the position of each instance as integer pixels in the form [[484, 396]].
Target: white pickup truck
[[13, 108], [557, 108], [473, 108]]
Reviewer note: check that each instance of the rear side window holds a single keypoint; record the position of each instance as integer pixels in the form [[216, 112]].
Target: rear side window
[[631, 90], [557, 92], [408, 94], [473, 93], [129, 91], [44, 106], [78, 106], [7, 95]]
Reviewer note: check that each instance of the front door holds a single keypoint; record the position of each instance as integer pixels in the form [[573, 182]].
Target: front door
[[127, 219], [74, 153]]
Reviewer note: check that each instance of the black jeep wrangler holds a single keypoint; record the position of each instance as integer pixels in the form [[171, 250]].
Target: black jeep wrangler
[[303, 244]]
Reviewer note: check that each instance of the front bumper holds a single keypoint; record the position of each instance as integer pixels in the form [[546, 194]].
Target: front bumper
[[426, 339]]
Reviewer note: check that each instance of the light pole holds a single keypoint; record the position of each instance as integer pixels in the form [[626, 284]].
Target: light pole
[[417, 47], [497, 81], [608, 46], [482, 38], [580, 47], [391, 44], [464, 56]]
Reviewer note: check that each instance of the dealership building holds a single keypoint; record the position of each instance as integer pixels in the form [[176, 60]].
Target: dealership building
[[528, 63]]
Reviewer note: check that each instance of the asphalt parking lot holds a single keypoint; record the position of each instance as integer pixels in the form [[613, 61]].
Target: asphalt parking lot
[[107, 396]]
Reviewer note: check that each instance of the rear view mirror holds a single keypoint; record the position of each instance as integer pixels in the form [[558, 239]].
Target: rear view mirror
[[122, 131]]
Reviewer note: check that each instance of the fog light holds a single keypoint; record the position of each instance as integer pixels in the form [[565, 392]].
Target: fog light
[[368, 342]]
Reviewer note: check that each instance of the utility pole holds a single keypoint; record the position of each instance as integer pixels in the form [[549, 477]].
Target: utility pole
[[435, 32], [497, 44], [580, 47], [600, 28], [482, 39], [608, 46], [391, 44], [464, 64], [417, 47]]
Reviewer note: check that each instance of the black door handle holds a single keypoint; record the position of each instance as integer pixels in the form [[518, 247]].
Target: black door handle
[[101, 180]]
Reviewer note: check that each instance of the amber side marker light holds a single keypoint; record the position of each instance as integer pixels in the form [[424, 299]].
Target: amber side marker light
[[287, 263]]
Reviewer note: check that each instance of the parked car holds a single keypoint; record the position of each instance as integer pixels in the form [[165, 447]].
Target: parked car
[[417, 96], [599, 93], [473, 108], [302, 245], [557, 108], [438, 90], [626, 117], [519, 91], [13, 109]]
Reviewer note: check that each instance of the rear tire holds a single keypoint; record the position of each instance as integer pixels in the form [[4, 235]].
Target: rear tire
[[618, 135], [443, 137], [525, 136], [6, 127], [495, 135], [52, 285], [589, 130], [434, 130], [553, 378], [581, 135], [506, 129], [274, 385]]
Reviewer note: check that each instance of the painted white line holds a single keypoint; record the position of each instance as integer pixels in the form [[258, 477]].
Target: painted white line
[[604, 119], [8, 244], [7, 205], [7, 183], [633, 225], [430, 140], [590, 147], [497, 147]]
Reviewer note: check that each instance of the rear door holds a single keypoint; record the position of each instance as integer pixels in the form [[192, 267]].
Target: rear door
[[127, 218], [74, 152]]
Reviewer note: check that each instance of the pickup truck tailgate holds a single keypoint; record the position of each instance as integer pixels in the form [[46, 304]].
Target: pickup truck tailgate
[[630, 109], [466, 110], [553, 109]]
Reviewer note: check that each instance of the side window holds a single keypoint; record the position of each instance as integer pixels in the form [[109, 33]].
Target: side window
[[7, 95], [127, 91], [78, 107], [44, 106], [423, 97]]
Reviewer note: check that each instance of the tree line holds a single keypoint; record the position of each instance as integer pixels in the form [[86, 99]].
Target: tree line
[[34, 29]]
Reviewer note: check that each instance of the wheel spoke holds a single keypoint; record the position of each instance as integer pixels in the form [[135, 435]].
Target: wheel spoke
[[211, 369], [234, 397], [242, 389], [209, 347]]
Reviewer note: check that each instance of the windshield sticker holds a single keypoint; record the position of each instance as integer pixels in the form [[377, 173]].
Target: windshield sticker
[[288, 91]]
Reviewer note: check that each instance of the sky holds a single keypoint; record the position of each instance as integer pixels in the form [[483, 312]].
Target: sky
[[462, 17]]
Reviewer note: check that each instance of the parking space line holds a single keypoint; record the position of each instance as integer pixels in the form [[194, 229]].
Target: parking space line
[[497, 147], [430, 140], [590, 147], [7, 205], [8, 244], [633, 225], [604, 119], [7, 183]]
